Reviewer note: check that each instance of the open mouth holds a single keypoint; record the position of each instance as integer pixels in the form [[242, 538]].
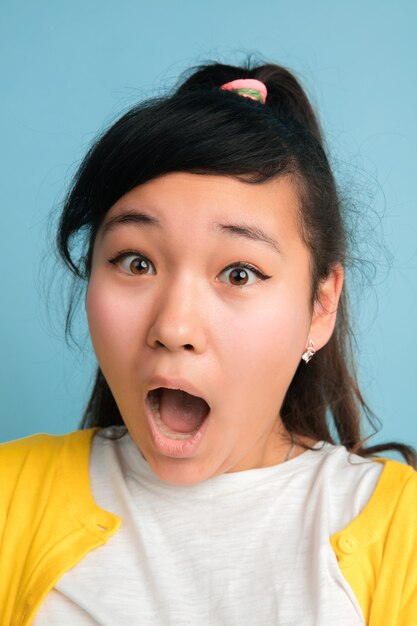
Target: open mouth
[[178, 414]]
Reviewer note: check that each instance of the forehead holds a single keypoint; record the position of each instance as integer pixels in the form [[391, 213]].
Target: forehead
[[208, 201]]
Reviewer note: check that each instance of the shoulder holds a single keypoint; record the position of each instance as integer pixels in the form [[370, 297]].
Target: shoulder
[[376, 551], [398, 483], [390, 514], [396, 489], [30, 458], [42, 445], [398, 492], [42, 475]]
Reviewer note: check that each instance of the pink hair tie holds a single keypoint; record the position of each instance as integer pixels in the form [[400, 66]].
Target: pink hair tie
[[248, 88]]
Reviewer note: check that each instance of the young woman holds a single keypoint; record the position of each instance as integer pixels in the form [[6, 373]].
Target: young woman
[[205, 484]]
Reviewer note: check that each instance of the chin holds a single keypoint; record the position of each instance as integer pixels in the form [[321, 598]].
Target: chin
[[179, 472]]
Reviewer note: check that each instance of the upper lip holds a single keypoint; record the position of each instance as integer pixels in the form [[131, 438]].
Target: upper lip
[[175, 383]]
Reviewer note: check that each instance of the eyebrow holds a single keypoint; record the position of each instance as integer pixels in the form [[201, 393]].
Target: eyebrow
[[144, 220]]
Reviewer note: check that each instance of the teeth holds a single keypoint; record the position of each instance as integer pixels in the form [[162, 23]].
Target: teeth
[[154, 404]]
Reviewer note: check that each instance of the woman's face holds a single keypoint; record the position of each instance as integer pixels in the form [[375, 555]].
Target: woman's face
[[179, 311]]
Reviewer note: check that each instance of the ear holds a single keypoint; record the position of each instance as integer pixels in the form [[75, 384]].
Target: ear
[[325, 308]]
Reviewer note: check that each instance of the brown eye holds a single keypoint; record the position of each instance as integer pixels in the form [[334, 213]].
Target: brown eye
[[138, 266], [238, 277], [133, 264], [240, 274]]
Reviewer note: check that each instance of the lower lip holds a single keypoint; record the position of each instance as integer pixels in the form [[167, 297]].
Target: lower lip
[[178, 448]]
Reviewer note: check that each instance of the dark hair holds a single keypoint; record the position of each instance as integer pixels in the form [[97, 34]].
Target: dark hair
[[201, 129]]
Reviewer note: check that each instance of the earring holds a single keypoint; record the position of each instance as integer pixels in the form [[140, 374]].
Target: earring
[[309, 352]]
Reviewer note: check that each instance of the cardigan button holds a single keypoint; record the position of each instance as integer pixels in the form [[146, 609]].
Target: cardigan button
[[347, 544]]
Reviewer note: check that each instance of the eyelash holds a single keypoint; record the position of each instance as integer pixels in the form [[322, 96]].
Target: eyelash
[[239, 264]]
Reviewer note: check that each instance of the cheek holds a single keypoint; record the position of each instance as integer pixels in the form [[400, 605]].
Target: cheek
[[263, 347], [276, 327], [112, 323]]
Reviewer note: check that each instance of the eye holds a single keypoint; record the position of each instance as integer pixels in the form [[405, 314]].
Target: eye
[[132, 263], [239, 274], [136, 264]]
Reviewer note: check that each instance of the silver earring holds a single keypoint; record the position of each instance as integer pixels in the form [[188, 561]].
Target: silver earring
[[309, 352]]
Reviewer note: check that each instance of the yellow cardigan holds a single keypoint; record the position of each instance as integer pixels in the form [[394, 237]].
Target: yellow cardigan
[[49, 522]]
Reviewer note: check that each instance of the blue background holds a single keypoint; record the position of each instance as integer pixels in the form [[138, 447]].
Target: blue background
[[68, 69]]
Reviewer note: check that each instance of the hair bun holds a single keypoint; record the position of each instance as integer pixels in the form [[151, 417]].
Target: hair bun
[[286, 96]]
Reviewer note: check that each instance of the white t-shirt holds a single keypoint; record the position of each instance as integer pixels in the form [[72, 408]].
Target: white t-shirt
[[247, 548]]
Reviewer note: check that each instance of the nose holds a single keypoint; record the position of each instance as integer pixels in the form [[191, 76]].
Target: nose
[[176, 322]]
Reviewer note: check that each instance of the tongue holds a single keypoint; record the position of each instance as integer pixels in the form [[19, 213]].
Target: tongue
[[180, 411]]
